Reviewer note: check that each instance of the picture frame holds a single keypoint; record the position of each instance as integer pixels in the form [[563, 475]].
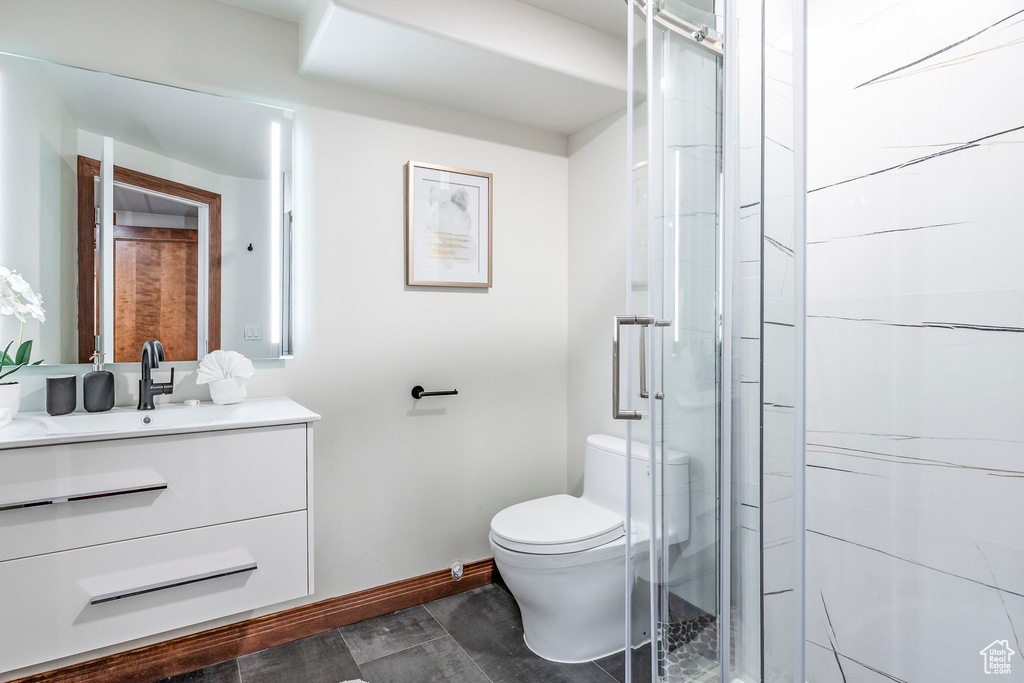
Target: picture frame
[[448, 226]]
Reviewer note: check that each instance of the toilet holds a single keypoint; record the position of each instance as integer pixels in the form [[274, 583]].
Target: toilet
[[564, 558]]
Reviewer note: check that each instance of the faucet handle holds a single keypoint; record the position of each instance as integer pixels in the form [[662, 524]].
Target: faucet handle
[[164, 387]]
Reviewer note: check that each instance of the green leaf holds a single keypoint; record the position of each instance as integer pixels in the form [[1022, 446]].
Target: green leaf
[[12, 370], [5, 359], [24, 353]]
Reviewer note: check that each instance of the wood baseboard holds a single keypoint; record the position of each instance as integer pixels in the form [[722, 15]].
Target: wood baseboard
[[188, 653]]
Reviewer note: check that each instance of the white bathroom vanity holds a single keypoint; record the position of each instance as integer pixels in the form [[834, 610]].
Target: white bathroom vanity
[[124, 524]]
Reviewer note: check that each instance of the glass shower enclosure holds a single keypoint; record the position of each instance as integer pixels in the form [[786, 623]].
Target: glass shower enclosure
[[688, 371], [675, 325]]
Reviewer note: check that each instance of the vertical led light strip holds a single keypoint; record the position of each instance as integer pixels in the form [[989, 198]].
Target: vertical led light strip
[[275, 233], [106, 248], [678, 296]]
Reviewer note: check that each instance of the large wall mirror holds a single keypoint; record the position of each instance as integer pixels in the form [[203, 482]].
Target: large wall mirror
[[143, 211]]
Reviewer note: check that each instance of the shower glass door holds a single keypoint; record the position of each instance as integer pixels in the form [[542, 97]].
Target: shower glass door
[[675, 293]]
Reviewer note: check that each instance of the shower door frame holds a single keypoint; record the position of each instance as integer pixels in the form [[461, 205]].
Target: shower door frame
[[723, 47]]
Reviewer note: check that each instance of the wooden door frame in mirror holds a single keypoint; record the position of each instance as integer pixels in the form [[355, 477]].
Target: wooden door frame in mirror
[[88, 170]]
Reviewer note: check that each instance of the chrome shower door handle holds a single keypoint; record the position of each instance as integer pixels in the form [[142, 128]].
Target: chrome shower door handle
[[643, 321], [643, 361], [620, 320]]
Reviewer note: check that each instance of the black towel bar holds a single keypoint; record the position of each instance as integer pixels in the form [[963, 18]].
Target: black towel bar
[[418, 392]]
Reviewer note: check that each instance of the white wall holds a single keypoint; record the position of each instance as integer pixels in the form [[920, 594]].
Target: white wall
[[37, 207], [402, 487], [597, 282], [429, 474], [245, 219], [137, 159]]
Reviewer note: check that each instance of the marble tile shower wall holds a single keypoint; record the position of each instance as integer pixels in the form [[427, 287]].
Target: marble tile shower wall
[[915, 362], [778, 344], [748, 301], [691, 167]]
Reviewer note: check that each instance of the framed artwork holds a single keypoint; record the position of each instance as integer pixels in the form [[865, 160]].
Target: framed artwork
[[447, 226]]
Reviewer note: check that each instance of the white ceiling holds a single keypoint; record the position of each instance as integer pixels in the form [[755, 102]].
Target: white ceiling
[[443, 70], [134, 201], [604, 15], [282, 9], [553, 65]]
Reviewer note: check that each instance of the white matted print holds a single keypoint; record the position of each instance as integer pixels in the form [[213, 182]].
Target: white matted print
[[448, 226]]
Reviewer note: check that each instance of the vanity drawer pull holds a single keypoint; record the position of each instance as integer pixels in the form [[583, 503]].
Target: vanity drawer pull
[[172, 583], [88, 495]]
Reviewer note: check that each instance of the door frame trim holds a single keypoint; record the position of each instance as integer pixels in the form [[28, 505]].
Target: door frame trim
[[88, 170]]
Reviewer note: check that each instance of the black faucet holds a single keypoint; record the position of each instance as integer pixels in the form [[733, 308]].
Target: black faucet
[[152, 354]]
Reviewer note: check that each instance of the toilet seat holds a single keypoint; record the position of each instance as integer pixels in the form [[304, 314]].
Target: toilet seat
[[555, 525]]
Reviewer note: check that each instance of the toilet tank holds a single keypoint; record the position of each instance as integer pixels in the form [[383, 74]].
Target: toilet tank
[[604, 483]]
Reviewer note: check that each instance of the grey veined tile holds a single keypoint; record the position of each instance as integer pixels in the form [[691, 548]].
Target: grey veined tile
[[225, 672], [437, 661], [323, 658], [387, 634], [486, 623]]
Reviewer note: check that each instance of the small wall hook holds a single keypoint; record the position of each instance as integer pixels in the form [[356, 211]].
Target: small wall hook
[[249, 248]]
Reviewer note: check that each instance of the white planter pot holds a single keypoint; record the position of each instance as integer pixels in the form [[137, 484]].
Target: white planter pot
[[10, 401], [225, 391]]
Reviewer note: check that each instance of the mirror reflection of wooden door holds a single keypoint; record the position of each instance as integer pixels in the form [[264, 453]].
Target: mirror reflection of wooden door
[[155, 291], [163, 254]]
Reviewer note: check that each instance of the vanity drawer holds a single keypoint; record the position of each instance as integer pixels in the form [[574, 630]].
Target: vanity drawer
[[84, 494], [65, 603]]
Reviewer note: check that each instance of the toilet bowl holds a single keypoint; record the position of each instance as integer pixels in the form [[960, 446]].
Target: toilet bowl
[[564, 558]]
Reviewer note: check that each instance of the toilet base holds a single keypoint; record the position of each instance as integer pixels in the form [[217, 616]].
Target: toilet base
[[572, 605]]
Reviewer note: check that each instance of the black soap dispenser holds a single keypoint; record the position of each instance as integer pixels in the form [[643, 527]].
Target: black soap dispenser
[[98, 386]]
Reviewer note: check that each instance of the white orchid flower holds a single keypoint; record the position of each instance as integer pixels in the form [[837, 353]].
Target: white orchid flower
[[37, 312], [8, 303], [17, 297], [31, 297], [18, 283]]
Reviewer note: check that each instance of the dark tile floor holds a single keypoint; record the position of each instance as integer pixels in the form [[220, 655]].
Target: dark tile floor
[[473, 637]]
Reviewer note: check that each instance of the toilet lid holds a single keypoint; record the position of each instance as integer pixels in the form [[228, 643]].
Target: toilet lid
[[555, 524]]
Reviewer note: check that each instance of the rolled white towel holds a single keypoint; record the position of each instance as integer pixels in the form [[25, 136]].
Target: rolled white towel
[[223, 365]]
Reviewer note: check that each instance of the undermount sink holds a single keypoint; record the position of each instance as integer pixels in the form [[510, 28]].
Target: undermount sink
[[33, 429], [123, 419]]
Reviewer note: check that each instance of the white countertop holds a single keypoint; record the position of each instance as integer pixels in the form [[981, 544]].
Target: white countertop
[[40, 429]]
